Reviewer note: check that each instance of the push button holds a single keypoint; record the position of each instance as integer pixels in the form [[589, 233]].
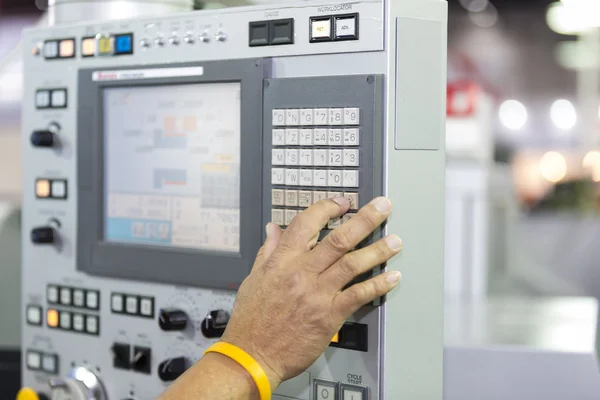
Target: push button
[[346, 27], [320, 29], [51, 49], [91, 299], [78, 298], [42, 188], [67, 48], [352, 336], [59, 189], [325, 390], [50, 363], [124, 44], [34, 315], [116, 303], [88, 47], [59, 98], [52, 294], [52, 318], [282, 31], [34, 360], [350, 392], [42, 99], [259, 33], [91, 324]]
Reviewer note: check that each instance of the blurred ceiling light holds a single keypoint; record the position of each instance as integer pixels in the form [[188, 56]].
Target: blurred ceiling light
[[570, 17], [487, 18], [513, 114], [592, 161], [563, 114], [474, 5], [553, 166]]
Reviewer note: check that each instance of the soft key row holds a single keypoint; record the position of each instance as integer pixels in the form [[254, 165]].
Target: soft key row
[[316, 137], [306, 198], [316, 157], [316, 116], [285, 217], [315, 177]]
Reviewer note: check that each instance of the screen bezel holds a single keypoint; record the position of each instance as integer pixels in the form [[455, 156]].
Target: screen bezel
[[175, 265]]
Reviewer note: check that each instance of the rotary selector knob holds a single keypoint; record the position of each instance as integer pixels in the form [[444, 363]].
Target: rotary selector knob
[[81, 384], [189, 39], [45, 137], [43, 235], [171, 319], [159, 41], [173, 368], [215, 323], [174, 40]]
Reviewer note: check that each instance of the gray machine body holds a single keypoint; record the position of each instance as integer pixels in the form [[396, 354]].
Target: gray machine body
[[394, 72]]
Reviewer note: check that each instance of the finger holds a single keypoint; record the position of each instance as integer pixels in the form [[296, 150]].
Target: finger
[[306, 225], [350, 234], [358, 262], [350, 300], [274, 233]]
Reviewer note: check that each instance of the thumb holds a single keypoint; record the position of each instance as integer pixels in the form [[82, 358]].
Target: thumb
[[274, 233]]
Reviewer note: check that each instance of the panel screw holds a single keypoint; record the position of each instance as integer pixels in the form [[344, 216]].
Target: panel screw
[[370, 79]]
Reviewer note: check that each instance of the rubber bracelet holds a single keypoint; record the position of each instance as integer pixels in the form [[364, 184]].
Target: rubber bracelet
[[248, 363]]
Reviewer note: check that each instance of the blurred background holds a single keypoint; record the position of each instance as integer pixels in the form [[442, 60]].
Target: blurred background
[[523, 183]]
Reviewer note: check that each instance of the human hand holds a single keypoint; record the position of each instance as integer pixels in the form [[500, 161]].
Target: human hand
[[292, 303]]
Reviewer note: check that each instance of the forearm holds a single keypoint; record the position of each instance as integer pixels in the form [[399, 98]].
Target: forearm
[[214, 377]]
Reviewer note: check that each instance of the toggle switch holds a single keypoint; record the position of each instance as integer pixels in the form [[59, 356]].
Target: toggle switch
[[142, 359]]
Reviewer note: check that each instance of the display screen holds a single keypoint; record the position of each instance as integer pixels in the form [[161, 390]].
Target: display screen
[[172, 165]]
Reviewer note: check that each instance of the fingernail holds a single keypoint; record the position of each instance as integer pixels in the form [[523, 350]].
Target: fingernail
[[268, 229], [393, 277], [342, 201], [383, 205], [394, 243]]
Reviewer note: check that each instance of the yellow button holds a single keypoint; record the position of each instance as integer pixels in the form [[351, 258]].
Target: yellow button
[[336, 338], [52, 318], [105, 45], [42, 188], [27, 394]]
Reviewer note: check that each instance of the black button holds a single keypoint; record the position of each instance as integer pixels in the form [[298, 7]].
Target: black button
[[282, 31], [121, 354], [259, 33]]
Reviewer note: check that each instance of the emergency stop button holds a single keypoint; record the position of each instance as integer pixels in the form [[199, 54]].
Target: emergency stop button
[[30, 394]]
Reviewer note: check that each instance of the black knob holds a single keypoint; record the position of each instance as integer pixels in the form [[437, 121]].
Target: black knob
[[215, 323], [170, 319], [42, 396], [173, 368], [43, 138], [43, 235]]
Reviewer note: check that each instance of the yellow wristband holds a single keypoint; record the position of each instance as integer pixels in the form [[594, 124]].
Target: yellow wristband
[[249, 364]]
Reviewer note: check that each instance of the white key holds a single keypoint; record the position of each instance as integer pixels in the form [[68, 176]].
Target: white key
[[353, 197], [304, 198], [34, 360], [278, 137], [65, 320], [351, 137], [335, 158], [146, 307], [78, 298], [291, 137], [305, 157], [306, 177], [351, 116], [351, 158], [321, 116], [116, 303], [320, 177], [291, 198], [91, 323], [131, 305], [306, 137], [49, 363], [349, 394], [289, 216], [277, 217], [334, 223], [331, 195], [34, 315], [278, 117], [42, 99], [65, 296], [320, 138], [318, 196], [52, 294], [59, 98], [320, 158], [91, 299], [291, 157], [334, 178], [278, 157], [277, 197], [351, 178], [291, 177], [292, 117], [335, 137], [78, 322], [277, 176], [306, 116], [336, 116]]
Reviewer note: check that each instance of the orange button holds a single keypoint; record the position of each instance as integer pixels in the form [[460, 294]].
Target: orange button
[[42, 188], [336, 338], [52, 318], [88, 47], [67, 48]]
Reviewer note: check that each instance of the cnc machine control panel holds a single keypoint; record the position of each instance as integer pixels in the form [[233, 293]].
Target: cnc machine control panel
[[156, 150]]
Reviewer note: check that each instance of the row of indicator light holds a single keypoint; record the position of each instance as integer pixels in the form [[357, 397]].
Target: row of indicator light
[[99, 45]]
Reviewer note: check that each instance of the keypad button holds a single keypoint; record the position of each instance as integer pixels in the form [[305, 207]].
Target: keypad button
[[334, 223], [59, 98], [351, 178], [291, 157], [277, 197], [336, 116], [50, 363], [52, 294], [34, 360], [335, 158], [278, 117], [291, 137], [91, 299], [318, 196], [320, 178], [34, 315], [51, 49], [42, 99], [131, 305], [353, 198], [278, 137], [351, 116], [91, 324], [146, 306], [291, 177], [65, 320], [116, 303], [305, 157], [291, 198], [320, 158], [351, 158], [306, 116], [351, 137], [277, 217], [353, 393], [325, 390], [335, 137], [331, 195], [289, 216], [306, 137], [306, 177], [59, 189], [321, 116], [334, 178], [65, 296], [304, 198], [278, 157], [78, 298], [277, 176], [320, 138], [292, 117], [78, 322]]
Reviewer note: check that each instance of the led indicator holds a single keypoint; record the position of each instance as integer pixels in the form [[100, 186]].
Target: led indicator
[[67, 48], [42, 188], [52, 318], [88, 47]]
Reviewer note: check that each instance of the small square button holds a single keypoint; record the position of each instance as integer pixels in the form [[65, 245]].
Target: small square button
[[306, 177], [88, 47], [320, 29], [289, 216], [350, 157], [321, 136], [34, 315], [59, 189], [321, 116], [91, 299], [291, 157], [52, 294], [325, 390], [124, 44], [78, 298], [51, 49], [52, 318], [291, 198], [105, 45], [336, 116], [50, 363], [147, 307], [65, 320], [42, 188], [277, 176], [277, 217], [335, 158], [278, 157], [351, 116], [42, 99], [305, 157], [346, 27], [292, 118], [351, 137], [131, 305], [320, 178], [320, 158], [78, 322], [335, 137], [350, 178], [307, 116], [34, 360], [350, 392], [259, 33], [278, 117], [291, 137], [282, 31], [304, 198], [318, 196], [334, 178], [278, 137], [59, 98], [353, 197], [277, 197], [291, 177], [306, 137], [91, 324], [116, 303], [67, 48], [65, 296]]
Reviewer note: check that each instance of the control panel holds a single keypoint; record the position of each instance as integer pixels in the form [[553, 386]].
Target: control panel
[[156, 150]]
